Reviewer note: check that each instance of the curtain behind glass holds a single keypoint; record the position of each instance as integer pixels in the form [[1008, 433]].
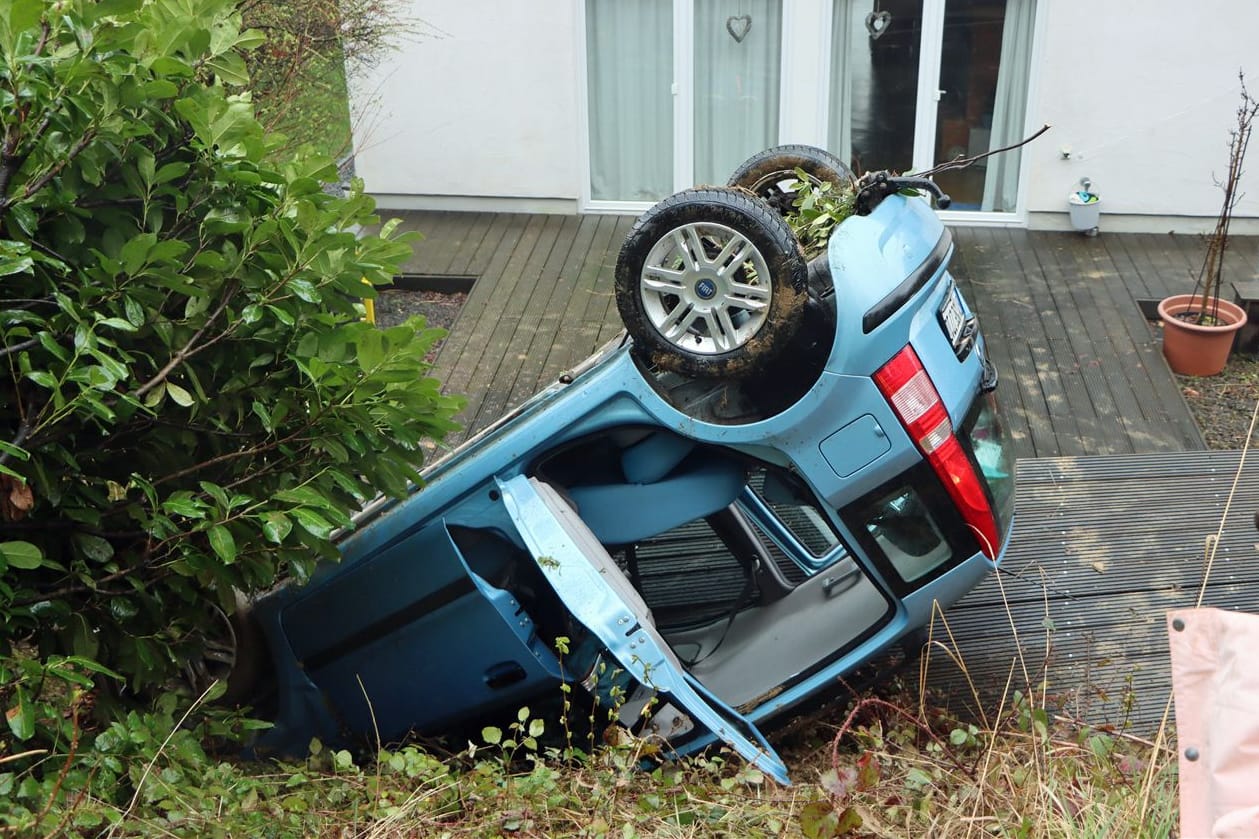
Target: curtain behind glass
[[843, 50], [737, 71], [1001, 184], [629, 49]]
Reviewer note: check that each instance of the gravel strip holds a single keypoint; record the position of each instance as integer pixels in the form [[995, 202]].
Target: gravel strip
[[1223, 405]]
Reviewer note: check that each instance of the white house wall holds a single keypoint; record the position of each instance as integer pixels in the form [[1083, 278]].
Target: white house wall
[[482, 110], [481, 105], [1143, 94]]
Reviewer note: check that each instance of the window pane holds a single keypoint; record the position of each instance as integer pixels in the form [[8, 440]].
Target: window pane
[[874, 82], [908, 535], [737, 71], [984, 77], [629, 48], [797, 509]]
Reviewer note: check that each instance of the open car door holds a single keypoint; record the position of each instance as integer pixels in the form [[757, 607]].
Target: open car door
[[599, 596]]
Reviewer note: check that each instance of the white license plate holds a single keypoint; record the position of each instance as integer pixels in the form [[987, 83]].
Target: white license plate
[[951, 317]]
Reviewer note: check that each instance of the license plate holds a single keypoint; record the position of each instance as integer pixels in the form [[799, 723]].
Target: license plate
[[951, 318]]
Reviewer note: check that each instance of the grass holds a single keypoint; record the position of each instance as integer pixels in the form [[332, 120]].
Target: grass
[[888, 765]]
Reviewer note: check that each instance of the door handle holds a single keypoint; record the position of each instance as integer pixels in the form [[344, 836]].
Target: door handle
[[840, 583]]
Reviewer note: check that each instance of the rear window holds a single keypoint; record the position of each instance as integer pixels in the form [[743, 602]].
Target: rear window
[[910, 529]]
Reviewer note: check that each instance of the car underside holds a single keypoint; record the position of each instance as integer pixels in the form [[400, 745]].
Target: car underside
[[708, 525]]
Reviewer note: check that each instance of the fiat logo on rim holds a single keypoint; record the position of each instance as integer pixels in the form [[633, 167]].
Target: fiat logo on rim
[[706, 289]]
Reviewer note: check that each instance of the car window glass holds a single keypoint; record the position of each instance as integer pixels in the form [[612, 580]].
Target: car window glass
[[908, 534], [796, 507]]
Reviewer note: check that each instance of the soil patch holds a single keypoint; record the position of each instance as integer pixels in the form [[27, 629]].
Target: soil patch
[[1223, 405], [439, 309]]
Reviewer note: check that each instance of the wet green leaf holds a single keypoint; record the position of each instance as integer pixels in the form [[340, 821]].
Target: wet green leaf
[[21, 555], [223, 543]]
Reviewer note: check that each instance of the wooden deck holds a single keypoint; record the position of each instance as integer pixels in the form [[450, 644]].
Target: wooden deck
[[1103, 547], [1110, 525], [1081, 367], [542, 300]]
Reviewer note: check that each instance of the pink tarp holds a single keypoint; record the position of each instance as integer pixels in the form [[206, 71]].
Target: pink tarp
[[1215, 679]]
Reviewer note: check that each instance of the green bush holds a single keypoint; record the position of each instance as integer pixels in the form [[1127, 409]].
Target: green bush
[[190, 402]]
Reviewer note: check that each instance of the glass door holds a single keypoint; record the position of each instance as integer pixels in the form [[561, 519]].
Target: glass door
[[875, 56], [678, 92], [915, 83], [629, 93], [984, 68], [738, 59]]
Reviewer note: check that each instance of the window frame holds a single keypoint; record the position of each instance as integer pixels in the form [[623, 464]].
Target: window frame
[[804, 98]]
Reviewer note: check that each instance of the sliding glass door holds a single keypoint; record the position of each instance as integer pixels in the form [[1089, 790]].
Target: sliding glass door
[[679, 92], [630, 103], [652, 130], [738, 60], [915, 83], [876, 50], [984, 70]]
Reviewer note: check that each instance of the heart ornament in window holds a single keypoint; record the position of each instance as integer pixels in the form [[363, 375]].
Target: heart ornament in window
[[877, 23], [739, 27]]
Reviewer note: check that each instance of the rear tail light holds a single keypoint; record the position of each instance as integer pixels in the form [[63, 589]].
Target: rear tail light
[[904, 383]]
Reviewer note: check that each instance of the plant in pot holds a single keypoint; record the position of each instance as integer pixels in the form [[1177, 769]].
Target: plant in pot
[[1199, 328]]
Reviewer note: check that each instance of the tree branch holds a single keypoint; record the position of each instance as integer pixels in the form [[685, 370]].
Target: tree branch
[[9, 163], [54, 170], [25, 345], [189, 349], [24, 431], [960, 162]]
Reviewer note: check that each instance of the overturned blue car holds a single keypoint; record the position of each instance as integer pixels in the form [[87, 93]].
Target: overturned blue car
[[765, 484]]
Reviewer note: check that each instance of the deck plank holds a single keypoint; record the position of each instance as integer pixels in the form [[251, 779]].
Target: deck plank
[[518, 321], [603, 322], [501, 240], [482, 311], [544, 317], [1083, 370], [483, 233], [1148, 399], [432, 253], [574, 341], [984, 275], [1093, 564]]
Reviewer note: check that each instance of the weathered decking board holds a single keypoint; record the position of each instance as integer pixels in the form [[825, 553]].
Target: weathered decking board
[[1082, 370], [1102, 548]]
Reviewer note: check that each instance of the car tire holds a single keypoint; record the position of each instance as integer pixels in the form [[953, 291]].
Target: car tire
[[233, 651], [725, 312], [772, 173]]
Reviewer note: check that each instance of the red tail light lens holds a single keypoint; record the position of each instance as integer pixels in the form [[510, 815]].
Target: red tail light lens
[[904, 383]]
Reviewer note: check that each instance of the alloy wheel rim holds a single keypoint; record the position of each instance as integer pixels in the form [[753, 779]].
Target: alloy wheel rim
[[705, 288]]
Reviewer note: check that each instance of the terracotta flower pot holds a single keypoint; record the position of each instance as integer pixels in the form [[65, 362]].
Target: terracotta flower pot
[[1194, 350]]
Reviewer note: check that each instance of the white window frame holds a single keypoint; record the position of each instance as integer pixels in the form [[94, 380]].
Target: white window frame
[[800, 96]]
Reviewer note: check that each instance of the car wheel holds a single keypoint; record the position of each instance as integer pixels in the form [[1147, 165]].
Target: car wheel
[[232, 651], [771, 174], [711, 282]]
